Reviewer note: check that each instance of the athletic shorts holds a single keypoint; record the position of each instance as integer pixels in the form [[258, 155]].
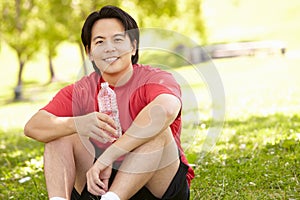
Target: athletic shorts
[[177, 190]]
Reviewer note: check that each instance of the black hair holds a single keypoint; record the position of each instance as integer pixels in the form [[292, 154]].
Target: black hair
[[112, 12]]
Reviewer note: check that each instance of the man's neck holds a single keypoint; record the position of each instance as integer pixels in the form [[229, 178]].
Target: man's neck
[[120, 79]]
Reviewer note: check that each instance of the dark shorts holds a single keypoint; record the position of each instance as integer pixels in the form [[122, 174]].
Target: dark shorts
[[177, 190]]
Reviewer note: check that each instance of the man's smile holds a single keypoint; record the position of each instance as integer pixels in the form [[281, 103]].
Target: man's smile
[[111, 59]]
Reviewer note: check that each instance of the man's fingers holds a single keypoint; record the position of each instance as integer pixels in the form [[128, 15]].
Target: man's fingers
[[107, 124], [98, 138], [96, 190], [106, 118], [95, 185], [106, 127], [105, 182], [101, 136]]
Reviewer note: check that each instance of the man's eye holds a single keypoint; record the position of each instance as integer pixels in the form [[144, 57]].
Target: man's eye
[[99, 42], [119, 39]]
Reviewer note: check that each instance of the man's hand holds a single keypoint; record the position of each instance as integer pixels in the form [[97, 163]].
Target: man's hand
[[97, 178], [96, 125]]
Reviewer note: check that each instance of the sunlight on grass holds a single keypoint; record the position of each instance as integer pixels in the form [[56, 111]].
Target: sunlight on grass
[[260, 86], [261, 156]]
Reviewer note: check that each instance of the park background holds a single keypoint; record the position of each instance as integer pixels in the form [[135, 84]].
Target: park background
[[257, 154]]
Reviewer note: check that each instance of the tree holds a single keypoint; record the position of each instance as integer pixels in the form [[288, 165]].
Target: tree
[[27, 24], [53, 31], [193, 13], [1, 24], [184, 16], [22, 33]]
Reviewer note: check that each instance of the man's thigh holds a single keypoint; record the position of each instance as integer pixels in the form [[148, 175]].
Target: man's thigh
[[66, 161], [84, 156], [178, 189]]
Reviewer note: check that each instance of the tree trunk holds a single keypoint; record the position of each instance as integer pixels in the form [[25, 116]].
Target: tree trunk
[[18, 88], [51, 69]]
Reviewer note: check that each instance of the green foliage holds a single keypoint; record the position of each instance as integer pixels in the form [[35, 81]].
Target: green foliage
[[54, 30], [153, 8], [21, 27], [30, 26]]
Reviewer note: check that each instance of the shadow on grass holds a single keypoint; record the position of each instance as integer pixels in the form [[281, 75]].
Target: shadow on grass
[[31, 90]]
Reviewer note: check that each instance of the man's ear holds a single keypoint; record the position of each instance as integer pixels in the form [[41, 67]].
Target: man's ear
[[133, 52], [87, 51]]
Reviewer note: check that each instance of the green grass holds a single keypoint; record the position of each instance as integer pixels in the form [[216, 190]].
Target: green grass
[[256, 158], [21, 167]]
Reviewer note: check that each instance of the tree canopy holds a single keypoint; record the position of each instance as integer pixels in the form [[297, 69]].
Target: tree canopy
[[29, 26]]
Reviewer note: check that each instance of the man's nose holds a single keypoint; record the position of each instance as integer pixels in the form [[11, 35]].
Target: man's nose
[[109, 47]]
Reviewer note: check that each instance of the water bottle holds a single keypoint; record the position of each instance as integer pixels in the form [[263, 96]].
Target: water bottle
[[107, 103]]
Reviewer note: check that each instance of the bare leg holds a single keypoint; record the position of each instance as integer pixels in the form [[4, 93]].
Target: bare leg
[[66, 161], [153, 165]]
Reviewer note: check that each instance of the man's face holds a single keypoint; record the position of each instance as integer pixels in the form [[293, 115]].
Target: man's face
[[111, 48]]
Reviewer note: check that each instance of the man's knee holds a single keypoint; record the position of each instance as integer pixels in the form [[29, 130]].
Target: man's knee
[[159, 140], [58, 145], [72, 145], [155, 154]]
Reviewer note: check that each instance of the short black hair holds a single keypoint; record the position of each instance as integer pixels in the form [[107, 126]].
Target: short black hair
[[111, 12]]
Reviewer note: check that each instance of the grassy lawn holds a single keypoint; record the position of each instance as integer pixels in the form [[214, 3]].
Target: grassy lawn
[[255, 158]]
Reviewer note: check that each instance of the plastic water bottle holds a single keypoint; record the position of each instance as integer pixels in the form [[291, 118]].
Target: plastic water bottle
[[107, 103]]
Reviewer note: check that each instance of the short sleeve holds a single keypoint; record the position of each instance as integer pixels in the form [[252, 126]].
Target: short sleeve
[[61, 104], [161, 83]]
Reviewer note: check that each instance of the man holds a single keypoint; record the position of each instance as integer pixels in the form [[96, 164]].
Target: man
[[147, 161]]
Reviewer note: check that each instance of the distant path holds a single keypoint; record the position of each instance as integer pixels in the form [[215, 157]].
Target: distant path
[[228, 50], [245, 48]]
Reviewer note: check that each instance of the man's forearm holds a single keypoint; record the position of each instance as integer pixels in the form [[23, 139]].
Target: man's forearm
[[151, 121], [45, 127]]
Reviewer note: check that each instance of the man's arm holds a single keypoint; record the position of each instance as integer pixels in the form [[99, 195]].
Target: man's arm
[[152, 120], [45, 127], [156, 117]]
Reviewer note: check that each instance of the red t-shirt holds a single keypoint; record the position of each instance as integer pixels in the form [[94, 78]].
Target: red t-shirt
[[145, 85]]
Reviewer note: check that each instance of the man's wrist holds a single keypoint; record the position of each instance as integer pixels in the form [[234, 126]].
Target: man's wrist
[[111, 154]]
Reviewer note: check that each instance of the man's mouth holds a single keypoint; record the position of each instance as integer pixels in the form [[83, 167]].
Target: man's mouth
[[111, 59]]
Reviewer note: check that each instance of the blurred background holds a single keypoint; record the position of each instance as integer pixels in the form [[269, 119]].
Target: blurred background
[[254, 45], [40, 40]]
